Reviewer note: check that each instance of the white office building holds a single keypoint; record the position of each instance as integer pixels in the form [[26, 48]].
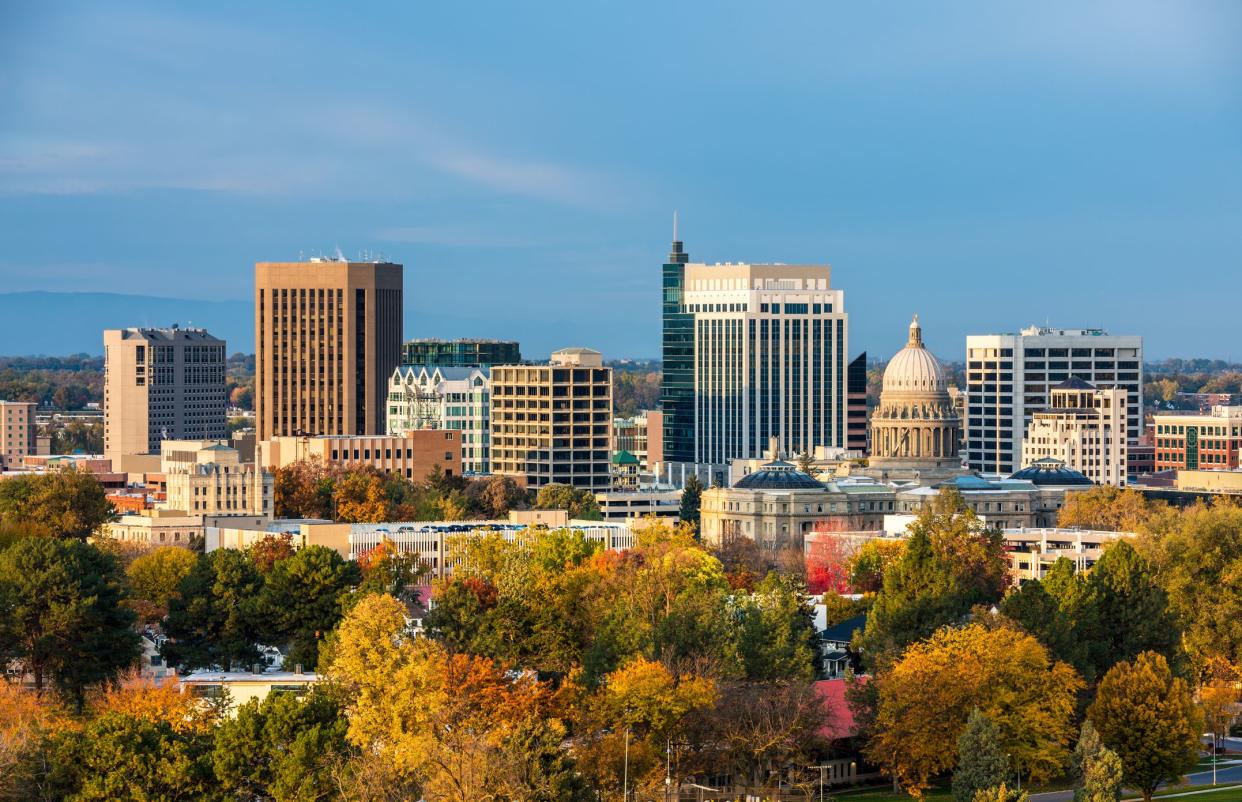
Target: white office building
[[770, 346], [433, 397], [1010, 376], [1085, 428]]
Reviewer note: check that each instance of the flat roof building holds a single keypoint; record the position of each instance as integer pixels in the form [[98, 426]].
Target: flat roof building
[[327, 338], [463, 353], [18, 432]]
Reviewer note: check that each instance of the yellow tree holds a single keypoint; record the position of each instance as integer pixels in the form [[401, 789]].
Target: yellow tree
[[927, 695], [361, 498], [1107, 507]]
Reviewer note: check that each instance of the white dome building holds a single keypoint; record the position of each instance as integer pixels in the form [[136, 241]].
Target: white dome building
[[915, 428]]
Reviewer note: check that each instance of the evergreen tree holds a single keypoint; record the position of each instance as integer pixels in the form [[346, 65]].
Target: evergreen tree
[[302, 600], [981, 764], [61, 615], [1036, 611], [1133, 611], [691, 499], [1096, 769], [213, 621]]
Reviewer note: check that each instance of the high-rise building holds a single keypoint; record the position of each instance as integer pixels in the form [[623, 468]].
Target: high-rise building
[[445, 398], [1197, 441], [856, 404], [1085, 429], [18, 432], [552, 424], [460, 353], [327, 339], [1010, 376], [751, 352], [161, 384]]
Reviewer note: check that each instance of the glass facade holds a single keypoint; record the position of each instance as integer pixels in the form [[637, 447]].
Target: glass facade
[[677, 360], [461, 353]]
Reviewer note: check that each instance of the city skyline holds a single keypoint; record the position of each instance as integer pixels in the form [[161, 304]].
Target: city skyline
[[532, 180]]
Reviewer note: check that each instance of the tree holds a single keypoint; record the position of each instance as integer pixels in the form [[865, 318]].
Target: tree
[[951, 562], [778, 639], [1106, 507], [1132, 609], [1003, 672], [361, 497], [302, 598], [271, 549], [691, 500], [155, 578], [827, 565], [303, 489], [387, 569], [274, 748], [871, 561], [136, 697], [1146, 715], [213, 621], [1196, 557], [1037, 612], [26, 722], [61, 615], [579, 503], [499, 495], [64, 502], [1000, 793], [1096, 768], [980, 762], [119, 758]]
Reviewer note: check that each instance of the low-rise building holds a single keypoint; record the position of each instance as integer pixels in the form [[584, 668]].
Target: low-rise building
[[413, 455], [157, 528], [643, 436], [208, 478], [1084, 427], [242, 686], [1197, 441], [624, 505], [1032, 552], [457, 398]]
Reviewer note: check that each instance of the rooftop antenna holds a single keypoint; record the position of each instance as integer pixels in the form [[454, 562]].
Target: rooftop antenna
[[674, 225]]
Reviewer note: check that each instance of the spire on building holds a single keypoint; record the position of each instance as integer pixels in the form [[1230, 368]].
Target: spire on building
[[916, 333], [678, 255]]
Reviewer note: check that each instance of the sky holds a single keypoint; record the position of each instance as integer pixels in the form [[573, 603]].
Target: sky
[[989, 165]]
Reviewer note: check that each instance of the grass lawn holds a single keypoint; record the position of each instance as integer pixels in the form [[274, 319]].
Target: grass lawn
[[1202, 793]]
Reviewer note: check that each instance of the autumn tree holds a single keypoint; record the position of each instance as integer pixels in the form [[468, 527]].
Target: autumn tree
[[871, 561], [213, 620], [1218, 696], [580, 503], [1096, 768], [359, 496], [62, 617], [1147, 716], [136, 697], [981, 764], [498, 495], [1196, 557], [302, 600], [387, 569], [951, 561], [270, 549], [303, 489], [1003, 672], [26, 722], [743, 563], [155, 579], [64, 502], [1106, 507], [828, 565]]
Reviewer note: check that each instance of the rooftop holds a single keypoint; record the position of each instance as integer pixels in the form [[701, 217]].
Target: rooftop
[[779, 475]]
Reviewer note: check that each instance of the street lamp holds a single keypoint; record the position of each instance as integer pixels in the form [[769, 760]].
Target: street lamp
[[625, 782]]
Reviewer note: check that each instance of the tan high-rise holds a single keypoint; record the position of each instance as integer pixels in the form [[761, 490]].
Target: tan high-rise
[[161, 384], [327, 337]]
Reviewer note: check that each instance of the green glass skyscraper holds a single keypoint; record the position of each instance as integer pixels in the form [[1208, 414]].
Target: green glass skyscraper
[[677, 387]]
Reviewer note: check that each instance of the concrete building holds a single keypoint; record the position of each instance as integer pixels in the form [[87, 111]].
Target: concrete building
[[157, 528], [1010, 376], [552, 424], [456, 398], [1198, 441], [327, 338], [209, 478], [18, 432], [1085, 428], [241, 687], [915, 431], [460, 353], [431, 540], [161, 384], [625, 505], [413, 455], [751, 352], [1032, 552]]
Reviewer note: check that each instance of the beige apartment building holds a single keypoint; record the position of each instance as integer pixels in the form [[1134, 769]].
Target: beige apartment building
[[161, 384], [414, 454], [209, 478], [327, 338], [552, 424], [1084, 427], [18, 432]]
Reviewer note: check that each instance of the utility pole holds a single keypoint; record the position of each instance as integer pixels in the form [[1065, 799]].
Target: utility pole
[[625, 782]]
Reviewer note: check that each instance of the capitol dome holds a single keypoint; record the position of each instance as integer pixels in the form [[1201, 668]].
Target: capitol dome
[[913, 369]]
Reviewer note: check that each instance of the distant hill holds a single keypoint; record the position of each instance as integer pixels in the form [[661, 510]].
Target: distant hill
[[73, 322]]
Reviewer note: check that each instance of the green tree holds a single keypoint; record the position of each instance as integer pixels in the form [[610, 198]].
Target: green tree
[[155, 578], [274, 749], [778, 639], [302, 600], [981, 763], [65, 502], [580, 503], [499, 494], [1036, 611], [213, 621], [1132, 609], [120, 758], [61, 615], [691, 501], [1096, 768], [1147, 716]]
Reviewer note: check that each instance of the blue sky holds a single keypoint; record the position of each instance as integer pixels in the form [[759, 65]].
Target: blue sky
[[988, 165]]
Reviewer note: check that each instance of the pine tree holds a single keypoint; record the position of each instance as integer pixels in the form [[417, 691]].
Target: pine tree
[[691, 497], [980, 763]]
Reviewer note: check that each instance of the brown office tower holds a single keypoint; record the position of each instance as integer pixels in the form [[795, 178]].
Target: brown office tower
[[327, 337]]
